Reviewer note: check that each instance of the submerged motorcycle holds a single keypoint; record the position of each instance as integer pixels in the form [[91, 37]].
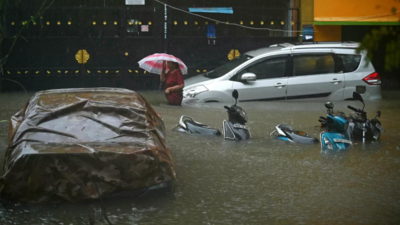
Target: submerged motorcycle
[[329, 111], [338, 134], [287, 133], [233, 129], [364, 129]]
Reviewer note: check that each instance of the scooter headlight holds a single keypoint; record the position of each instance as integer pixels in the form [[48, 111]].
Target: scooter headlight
[[243, 113], [328, 144], [193, 91]]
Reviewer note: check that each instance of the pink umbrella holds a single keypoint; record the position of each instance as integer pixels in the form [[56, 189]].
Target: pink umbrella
[[154, 63]]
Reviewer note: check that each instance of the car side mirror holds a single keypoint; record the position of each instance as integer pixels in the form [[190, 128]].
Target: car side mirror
[[358, 97], [249, 77]]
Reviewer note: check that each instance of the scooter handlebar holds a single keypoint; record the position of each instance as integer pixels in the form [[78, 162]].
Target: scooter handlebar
[[228, 108], [354, 109]]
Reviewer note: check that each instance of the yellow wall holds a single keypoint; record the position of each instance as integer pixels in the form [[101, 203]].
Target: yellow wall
[[356, 10], [328, 33]]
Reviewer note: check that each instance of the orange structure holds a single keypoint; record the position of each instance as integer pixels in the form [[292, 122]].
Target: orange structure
[[356, 12], [331, 15]]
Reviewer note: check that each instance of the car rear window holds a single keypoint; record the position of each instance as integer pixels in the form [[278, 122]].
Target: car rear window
[[350, 62]]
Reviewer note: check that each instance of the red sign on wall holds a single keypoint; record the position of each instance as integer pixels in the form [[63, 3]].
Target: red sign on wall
[[145, 28]]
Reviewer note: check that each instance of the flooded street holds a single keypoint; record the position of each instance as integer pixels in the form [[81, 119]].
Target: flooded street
[[261, 181]]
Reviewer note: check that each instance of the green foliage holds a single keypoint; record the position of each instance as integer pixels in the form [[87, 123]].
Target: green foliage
[[386, 40]]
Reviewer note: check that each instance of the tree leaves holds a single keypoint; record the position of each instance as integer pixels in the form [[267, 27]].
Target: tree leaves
[[386, 40]]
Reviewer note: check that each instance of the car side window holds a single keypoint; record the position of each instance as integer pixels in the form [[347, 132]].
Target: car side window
[[313, 64], [270, 68]]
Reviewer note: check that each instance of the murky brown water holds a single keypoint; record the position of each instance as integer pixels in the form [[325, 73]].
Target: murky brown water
[[262, 181]]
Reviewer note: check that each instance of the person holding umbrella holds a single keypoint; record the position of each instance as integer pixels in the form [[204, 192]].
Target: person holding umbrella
[[159, 63], [173, 82]]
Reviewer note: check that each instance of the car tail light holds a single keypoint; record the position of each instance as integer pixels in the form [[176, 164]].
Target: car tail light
[[372, 79]]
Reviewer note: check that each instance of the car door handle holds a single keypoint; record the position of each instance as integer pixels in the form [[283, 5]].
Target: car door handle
[[335, 81], [279, 85]]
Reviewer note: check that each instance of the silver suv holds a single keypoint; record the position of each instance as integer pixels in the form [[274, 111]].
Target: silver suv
[[329, 71]]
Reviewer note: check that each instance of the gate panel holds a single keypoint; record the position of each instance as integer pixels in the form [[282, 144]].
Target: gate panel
[[112, 35]]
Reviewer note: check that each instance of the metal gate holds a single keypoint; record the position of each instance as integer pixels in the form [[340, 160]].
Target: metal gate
[[88, 43]]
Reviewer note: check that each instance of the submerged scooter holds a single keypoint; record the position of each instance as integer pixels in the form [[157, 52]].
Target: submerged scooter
[[188, 125], [339, 131], [364, 129], [234, 128], [287, 133]]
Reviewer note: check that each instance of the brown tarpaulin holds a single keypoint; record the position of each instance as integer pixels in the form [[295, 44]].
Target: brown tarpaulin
[[84, 144]]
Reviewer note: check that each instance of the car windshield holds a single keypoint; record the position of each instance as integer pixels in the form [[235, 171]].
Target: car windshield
[[222, 70]]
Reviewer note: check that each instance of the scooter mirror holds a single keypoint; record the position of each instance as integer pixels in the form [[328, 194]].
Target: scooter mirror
[[379, 113], [358, 97], [235, 94], [329, 105]]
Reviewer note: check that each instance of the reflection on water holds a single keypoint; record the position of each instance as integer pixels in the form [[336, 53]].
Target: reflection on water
[[261, 181]]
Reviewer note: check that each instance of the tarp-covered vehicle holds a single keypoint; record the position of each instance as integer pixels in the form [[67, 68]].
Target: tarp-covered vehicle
[[85, 143]]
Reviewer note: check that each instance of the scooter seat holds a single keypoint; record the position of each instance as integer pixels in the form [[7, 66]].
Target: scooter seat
[[301, 133], [188, 125], [197, 128], [287, 133]]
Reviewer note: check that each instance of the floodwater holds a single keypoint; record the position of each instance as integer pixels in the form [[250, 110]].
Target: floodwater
[[261, 181]]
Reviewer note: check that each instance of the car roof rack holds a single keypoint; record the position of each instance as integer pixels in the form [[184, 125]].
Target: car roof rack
[[325, 44]]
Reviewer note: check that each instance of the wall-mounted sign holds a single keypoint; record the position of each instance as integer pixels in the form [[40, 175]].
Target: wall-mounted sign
[[308, 32], [145, 28], [210, 31], [134, 2], [223, 10], [132, 26]]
